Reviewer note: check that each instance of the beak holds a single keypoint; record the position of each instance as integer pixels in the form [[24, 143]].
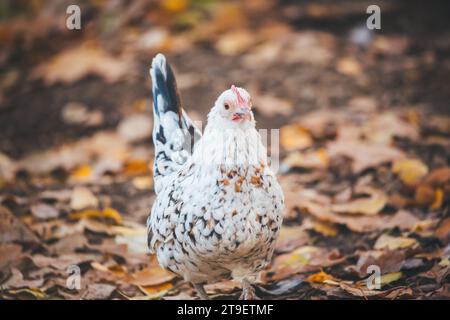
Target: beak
[[244, 113]]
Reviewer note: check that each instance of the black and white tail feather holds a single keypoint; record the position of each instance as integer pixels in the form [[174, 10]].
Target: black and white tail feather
[[174, 133]]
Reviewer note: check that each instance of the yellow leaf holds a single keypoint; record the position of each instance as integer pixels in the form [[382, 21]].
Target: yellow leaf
[[390, 277], [175, 5], [90, 213], [314, 159], [410, 171], [152, 290], [393, 243], [438, 199], [327, 229], [294, 137], [83, 173], [348, 66], [319, 277], [136, 166]]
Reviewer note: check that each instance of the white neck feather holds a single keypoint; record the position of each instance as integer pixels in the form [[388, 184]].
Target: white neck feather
[[231, 144]]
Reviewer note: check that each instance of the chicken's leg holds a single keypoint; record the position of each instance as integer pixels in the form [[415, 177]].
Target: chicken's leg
[[201, 291], [248, 292]]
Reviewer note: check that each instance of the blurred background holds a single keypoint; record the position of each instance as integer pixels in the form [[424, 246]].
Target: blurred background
[[363, 115]]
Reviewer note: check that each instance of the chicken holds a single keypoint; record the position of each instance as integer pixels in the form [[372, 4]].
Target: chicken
[[218, 207]]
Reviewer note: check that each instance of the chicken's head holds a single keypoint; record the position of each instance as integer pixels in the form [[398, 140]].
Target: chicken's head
[[234, 105]]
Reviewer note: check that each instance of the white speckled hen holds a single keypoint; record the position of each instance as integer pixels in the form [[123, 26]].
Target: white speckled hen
[[218, 209]]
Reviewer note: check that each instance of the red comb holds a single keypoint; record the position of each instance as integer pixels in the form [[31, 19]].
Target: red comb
[[241, 100]]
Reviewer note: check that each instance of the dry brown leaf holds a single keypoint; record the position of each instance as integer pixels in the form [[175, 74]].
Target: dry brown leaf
[[367, 206], [17, 281], [364, 155], [235, 42], [271, 106], [12, 229], [315, 48], [388, 261], [100, 147], [438, 177], [443, 230], [402, 219], [150, 277], [303, 259], [290, 238], [74, 63], [100, 291], [9, 254], [44, 211], [62, 262], [135, 127], [83, 198]]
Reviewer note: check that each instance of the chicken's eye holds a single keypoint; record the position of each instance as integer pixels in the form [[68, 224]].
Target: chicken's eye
[[226, 106]]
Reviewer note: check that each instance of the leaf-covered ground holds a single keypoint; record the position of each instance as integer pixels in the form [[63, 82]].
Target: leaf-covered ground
[[364, 135]]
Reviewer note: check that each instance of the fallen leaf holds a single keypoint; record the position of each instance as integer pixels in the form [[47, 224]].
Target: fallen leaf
[[174, 5], [83, 198], [443, 230], [156, 292], [364, 155], [12, 229], [136, 167], [326, 229], [318, 159], [290, 238], [44, 211], [135, 127], [410, 171], [142, 183], [295, 137], [348, 66], [136, 242], [91, 213], [235, 42], [393, 243], [99, 291], [78, 113], [390, 277], [387, 260], [72, 64], [150, 277], [438, 199], [367, 206], [319, 277], [303, 259], [271, 106], [9, 254]]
